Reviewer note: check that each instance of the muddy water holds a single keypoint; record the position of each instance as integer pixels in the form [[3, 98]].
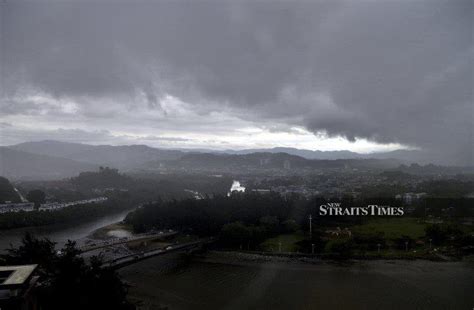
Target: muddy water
[[60, 233], [198, 284]]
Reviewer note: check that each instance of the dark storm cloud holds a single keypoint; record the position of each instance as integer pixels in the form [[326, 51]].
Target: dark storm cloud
[[391, 71]]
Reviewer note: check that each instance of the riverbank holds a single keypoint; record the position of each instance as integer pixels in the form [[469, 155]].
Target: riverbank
[[60, 233], [114, 230], [72, 215], [231, 257], [428, 255]]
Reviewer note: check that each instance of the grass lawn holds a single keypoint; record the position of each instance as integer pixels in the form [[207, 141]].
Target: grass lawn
[[288, 242], [393, 227]]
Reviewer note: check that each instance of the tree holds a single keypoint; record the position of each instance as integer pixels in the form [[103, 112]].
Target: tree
[[290, 226], [270, 223], [369, 241], [235, 233], [66, 281], [37, 197], [404, 242], [340, 247], [7, 191], [32, 251], [440, 233]]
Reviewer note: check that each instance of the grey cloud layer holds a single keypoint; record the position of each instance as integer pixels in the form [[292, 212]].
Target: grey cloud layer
[[391, 71]]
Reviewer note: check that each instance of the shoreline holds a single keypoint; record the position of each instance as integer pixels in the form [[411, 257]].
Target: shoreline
[[61, 232], [102, 233], [68, 222], [229, 257]]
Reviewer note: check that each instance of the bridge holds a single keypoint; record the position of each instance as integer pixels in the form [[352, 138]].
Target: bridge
[[126, 260], [118, 241]]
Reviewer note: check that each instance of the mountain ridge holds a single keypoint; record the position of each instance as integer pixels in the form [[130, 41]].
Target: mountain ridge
[[54, 159], [67, 149], [16, 164]]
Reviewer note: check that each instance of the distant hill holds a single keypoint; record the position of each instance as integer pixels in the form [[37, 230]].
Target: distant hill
[[7, 191], [308, 154], [54, 159], [15, 164], [132, 156], [409, 156], [273, 161], [52, 148], [121, 157]]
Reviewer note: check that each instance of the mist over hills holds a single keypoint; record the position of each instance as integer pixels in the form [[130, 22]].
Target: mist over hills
[[54, 159], [410, 156], [121, 157], [134, 155], [7, 191], [308, 154], [269, 160], [102, 153], [16, 164]]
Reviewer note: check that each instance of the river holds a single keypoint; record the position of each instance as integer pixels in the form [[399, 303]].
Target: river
[[198, 284], [60, 233]]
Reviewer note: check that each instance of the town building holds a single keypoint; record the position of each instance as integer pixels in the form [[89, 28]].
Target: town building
[[18, 287]]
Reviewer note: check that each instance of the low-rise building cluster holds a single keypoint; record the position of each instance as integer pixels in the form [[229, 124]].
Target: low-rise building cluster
[[29, 206]]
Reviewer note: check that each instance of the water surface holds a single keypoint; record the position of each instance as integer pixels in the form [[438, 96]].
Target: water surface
[[60, 233], [363, 285]]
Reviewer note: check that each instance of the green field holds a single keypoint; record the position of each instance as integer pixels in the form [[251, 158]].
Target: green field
[[393, 227], [288, 243]]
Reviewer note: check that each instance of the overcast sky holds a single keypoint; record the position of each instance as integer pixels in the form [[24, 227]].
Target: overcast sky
[[358, 75]]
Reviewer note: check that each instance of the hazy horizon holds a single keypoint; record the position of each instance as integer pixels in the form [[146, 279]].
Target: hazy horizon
[[210, 148]]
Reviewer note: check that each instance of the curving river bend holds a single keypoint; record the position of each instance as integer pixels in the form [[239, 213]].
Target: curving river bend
[[60, 233]]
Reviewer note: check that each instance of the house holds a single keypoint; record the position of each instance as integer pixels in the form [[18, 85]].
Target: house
[[18, 287]]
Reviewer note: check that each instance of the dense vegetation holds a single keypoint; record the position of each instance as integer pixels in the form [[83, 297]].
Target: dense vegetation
[[207, 216], [36, 196], [66, 280], [246, 220], [7, 192]]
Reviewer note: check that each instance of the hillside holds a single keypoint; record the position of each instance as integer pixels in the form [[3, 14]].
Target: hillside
[[129, 157], [65, 159], [409, 156], [273, 161], [121, 157], [7, 191], [16, 165]]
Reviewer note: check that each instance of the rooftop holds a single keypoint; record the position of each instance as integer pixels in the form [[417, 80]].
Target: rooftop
[[15, 275]]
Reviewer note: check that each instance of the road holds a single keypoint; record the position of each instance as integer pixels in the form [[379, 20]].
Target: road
[[133, 258], [117, 241]]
